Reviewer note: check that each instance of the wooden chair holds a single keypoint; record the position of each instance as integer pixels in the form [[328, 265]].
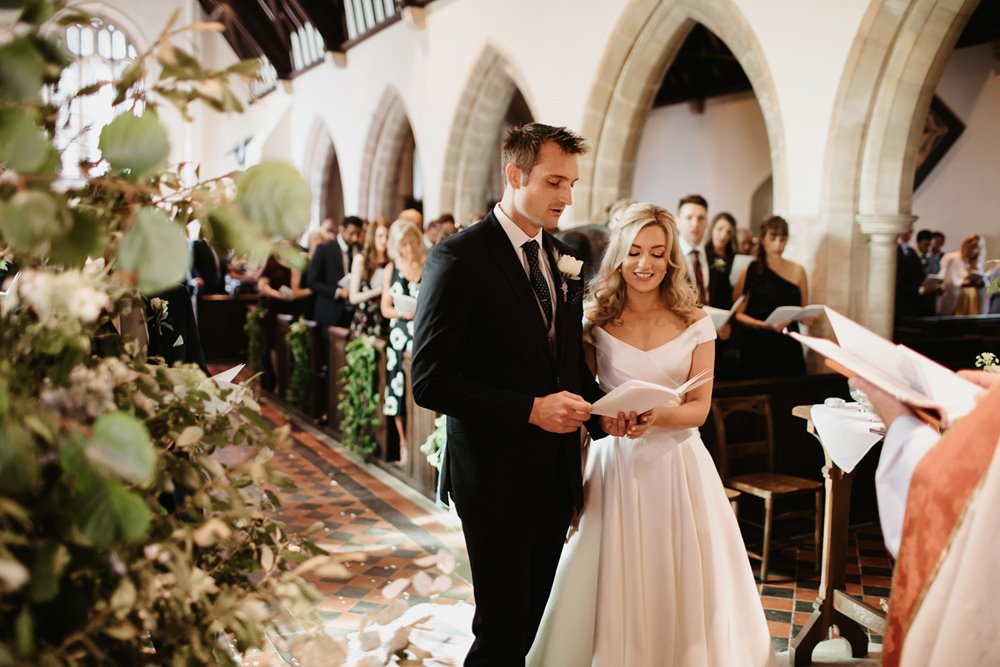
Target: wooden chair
[[754, 413]]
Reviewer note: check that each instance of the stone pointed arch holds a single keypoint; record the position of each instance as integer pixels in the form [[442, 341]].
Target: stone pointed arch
[[322, 169], [385, 146], [893, 68], [640, 50], [475, 133]]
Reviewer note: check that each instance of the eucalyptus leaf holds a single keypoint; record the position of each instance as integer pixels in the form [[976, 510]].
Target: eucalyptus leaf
[[23, 147], [275, 196], [136, 144], [120, 444], [156, 248], [36, 11], [22, 71], [86, 238], [108, 513], [18, 461], [248, 68], [51, 560], [31, 218]]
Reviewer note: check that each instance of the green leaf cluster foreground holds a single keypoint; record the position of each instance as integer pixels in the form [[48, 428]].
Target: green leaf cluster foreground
[[359, 397], [125, 537]]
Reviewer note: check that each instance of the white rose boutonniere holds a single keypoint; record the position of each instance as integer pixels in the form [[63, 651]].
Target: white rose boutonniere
[[570, 268], [160, 314]]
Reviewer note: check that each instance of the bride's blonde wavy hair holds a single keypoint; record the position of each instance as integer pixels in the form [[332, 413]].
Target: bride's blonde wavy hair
[[607, 292]]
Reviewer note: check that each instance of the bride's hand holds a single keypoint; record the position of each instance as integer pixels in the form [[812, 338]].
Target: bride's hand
[[638, 425]]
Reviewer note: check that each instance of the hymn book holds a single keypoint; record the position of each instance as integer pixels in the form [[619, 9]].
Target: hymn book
[[936, 394], [794, 313], [404, 304], [639, 396], [721, 317]]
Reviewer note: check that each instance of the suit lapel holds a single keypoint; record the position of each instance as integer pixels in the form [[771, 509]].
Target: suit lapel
[[512, 270], [563, 311]]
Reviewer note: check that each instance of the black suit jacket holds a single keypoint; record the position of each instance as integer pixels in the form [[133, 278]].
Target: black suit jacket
[[481, 355], [909, 276], [177, 338], [326, 268], [208, 266]]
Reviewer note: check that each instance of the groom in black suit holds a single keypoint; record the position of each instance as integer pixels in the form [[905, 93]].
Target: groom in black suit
[[498, 348]]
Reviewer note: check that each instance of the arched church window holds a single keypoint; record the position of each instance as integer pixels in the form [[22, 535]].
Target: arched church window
[[101, 52]]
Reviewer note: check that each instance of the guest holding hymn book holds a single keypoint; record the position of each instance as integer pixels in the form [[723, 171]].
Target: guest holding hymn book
[[401, 279], [768, 282], [367, 272], [964, 291], [275, 286]]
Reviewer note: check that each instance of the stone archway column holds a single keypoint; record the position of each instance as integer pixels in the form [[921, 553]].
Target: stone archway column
[[882, 230]]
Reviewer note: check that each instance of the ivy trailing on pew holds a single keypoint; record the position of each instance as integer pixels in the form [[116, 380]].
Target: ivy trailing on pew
[[359, 397], [253, 327], [300, 344]]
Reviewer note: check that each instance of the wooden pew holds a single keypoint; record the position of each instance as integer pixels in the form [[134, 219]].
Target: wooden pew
[[283, 371], [220, 326], [337, 339]]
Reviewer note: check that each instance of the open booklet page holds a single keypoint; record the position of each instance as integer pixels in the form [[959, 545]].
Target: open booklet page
[[719, 316], [905, 374], [794, 313], [404, 304], [740, 262], [639, 396]]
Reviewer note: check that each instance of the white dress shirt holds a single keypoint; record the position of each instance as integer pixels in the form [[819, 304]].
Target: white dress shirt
[[345, 252], [906, 443], [517, 239], [686, 249]]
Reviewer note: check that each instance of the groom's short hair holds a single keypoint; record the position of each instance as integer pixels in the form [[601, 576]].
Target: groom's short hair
[[522, 145]]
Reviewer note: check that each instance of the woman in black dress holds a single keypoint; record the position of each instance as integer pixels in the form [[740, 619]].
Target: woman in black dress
[[402, 278], [720, 251], [279, 288], [770, 281]]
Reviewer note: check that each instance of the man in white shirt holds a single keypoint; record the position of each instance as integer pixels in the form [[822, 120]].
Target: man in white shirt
[[692, 219]]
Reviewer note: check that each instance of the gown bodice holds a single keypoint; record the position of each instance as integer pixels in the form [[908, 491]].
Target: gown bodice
[[668, 364]]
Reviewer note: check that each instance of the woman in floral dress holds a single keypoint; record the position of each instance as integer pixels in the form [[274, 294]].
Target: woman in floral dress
[[402, 278]]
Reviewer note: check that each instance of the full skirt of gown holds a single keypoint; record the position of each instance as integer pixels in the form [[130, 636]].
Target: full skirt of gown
[[657, 573]]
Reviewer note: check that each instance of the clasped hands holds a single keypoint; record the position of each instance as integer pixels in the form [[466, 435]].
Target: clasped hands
[[565, 412]]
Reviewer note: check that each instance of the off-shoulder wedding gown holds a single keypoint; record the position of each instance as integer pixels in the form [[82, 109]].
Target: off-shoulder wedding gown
[[657, 573]]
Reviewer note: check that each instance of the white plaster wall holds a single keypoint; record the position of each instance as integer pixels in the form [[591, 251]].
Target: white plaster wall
[[962, 195], [722, 154], [554, 48]]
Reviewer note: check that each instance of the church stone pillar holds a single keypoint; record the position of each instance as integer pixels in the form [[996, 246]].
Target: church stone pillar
[[882, 230]]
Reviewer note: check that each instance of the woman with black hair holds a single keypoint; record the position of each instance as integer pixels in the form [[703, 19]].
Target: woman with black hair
[[768, 282]]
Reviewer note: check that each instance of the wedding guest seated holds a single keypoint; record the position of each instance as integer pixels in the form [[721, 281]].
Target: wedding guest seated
[[964, 291], [366, 282], [401, 278], [768, 282]]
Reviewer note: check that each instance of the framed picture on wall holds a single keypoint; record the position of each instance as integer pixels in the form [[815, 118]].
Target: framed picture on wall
[[941, 129]]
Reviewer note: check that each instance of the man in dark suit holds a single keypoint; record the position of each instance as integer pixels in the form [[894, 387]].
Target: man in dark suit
[[172, 332], [329, 264], [498, 348], [909, 278], [208, 270]]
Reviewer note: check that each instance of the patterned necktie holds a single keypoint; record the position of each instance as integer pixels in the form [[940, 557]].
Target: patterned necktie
[[537, 280], [699, 280]]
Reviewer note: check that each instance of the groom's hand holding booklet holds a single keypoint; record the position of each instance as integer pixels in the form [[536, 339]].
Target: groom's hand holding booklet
[[935, 393], [639, 396]]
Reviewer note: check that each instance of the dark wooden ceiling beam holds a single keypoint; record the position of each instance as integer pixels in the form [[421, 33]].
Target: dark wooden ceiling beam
[[328, 18], [251, 32]]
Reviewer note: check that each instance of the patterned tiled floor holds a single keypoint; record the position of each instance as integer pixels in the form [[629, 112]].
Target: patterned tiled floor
[[363, 508]]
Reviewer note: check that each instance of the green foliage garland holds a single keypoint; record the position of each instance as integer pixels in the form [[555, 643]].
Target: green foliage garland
[[253, 327], [359, 398], [300, 345]]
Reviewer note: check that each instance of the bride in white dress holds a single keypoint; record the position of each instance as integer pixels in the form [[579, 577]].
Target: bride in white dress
[[657, 573]]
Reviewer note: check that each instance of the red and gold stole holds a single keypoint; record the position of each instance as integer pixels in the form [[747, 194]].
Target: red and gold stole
[[943, 484]]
